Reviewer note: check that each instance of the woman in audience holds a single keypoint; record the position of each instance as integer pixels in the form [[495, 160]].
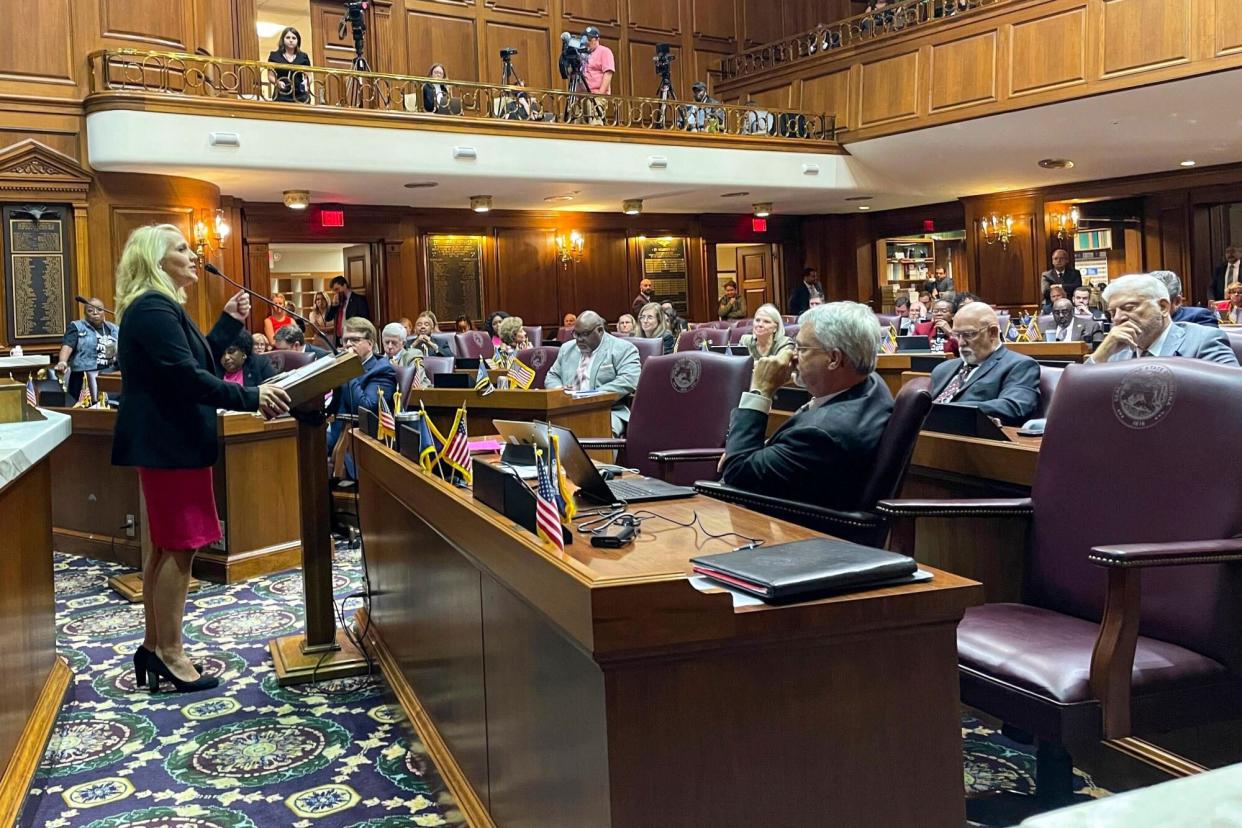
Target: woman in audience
[[512, 336], [653, 324], [420, 340], [626, 325], [436, 96], [767, 333], [939, 329], [464, 325], [278, 318], [260, 344], [290, 85], [319, 318], [493, 326], [1230, 310], [166, 427], [242, 366]]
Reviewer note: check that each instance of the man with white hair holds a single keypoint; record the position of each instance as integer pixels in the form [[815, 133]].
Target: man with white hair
[[1143, 326], [1001, 383], [1182, 312], [822, 452]]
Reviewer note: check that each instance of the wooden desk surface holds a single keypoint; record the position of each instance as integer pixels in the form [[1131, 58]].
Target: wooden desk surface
[[1012, 462], [1068, 351], [552, 400]]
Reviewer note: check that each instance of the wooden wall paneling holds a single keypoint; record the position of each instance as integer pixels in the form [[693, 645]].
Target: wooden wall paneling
[[890, 89], [644, 79], [326, 48], [1166, 234], [1007, 276], [1137, 35], [216, 28], [713, 19], [527, 276], [39, 48], [779, 97], [759, 23], [963, 72], [534, 45], [599, 280], [1048, 52], [532, 8], [1227, 32], [829, 93], [147, 24], [703, 65], [580, 13], [654, 16], [448, 39], [386, 47]]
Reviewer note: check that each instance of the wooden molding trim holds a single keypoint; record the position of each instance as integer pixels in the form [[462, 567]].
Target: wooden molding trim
[[454, 777], [35, 171], [1155, 756], [28, 751]]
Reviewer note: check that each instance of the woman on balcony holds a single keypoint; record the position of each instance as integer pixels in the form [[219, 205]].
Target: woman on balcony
[[436, 96], [291, 85]]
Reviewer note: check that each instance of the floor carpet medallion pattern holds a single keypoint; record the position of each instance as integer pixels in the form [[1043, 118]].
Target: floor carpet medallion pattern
[[252, 754]]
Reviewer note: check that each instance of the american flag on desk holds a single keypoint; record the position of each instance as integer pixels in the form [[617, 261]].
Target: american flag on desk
[[547, 515], [32, 399], [456, 451], [387, 431]]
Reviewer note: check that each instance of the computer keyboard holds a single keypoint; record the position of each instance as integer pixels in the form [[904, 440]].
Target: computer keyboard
[[623, 490]]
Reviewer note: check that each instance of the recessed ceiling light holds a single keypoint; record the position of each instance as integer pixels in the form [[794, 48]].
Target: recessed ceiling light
[[763, 209], [860, 198], [1057, 164], [632, 206], [297, 199], [418, 185], [864, 206], [481, 203], [1186, 163], [738, 194]]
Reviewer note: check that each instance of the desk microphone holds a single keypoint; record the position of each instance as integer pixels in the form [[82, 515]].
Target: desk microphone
[[83, 300], [210, 268]]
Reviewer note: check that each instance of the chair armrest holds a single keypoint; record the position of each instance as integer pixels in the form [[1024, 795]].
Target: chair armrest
[[601, 443], [953, 507], [684, 455], [1177, 553], [819, 518]]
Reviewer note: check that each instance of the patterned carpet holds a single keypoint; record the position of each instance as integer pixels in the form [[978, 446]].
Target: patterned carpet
[[252, 754]]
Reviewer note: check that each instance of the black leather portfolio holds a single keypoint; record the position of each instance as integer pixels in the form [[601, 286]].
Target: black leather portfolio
[[807, 569]]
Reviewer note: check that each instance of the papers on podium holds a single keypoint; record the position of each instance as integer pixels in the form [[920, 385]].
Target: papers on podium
[[317, 378]]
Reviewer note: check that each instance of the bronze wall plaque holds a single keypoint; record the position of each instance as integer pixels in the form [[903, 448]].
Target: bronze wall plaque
[[38, 255], [455, 275], [664, 263]]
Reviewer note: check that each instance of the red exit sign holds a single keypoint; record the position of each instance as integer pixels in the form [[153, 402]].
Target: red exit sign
[[331, 218], [759, 225]]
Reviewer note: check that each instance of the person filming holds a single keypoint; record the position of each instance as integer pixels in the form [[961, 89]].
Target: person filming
[[166, 426]]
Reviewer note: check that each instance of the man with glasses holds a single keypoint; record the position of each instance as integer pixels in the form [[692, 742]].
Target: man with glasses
[[1001, 383], [819, 454], [378, 377], [1143, 326], [597, 361]]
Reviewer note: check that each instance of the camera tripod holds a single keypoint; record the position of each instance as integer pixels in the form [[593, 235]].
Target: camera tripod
[[357, 23], [665, 93], [576, 105], [507, 105]]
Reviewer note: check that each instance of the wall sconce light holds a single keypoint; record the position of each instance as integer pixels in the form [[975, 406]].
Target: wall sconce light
[[481, 203], [763, 209], [632, 206], [1066, 224], [569, 246], [210, 235], [997, 230], [297, 199]]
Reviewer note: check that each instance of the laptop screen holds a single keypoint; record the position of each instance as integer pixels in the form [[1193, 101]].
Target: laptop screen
[[578, 466]]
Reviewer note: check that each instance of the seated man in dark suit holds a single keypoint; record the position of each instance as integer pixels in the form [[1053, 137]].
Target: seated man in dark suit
[[1183, 312], [289, 338], [1143, 326], [822, 452], [1001, 383], [1064, 326], [378, 377]]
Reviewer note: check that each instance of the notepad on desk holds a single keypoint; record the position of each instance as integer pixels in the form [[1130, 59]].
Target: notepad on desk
[[807, 569]]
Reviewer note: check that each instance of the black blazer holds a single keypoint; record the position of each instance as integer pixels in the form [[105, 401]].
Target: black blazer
[[355, 305], [429, 96], [171, 386], [1005, 385], [799, 299], [1216, 288], [256, 370], [819, 456]]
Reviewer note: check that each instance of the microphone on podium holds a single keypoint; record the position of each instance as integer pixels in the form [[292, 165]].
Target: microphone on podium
[[210, 268], [80, 299]]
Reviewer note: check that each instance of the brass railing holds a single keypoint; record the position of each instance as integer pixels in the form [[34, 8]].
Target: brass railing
[[316, 88], [894, 18]]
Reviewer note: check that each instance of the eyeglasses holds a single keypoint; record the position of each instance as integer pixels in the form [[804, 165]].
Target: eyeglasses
[[351, 340], [803, 350], [968, 336]]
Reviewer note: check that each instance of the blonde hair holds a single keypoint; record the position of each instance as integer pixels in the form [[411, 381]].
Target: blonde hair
[[508, 328], [139, 270], [662, 326]]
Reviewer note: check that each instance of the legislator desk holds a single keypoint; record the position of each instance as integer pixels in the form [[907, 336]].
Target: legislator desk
[[256, 497], [599, 688], [891, 366], [586, 417], [35, 679], [1052, 352]]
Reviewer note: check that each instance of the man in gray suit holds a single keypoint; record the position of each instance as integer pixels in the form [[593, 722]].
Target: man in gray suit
[[1143, 326], [1001, 383], [597, 361], [1064, 326]]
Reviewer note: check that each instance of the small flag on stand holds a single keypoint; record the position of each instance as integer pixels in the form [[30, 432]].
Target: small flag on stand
[[32, 399], [547, 516], [482, 382], [521, 375], [421, 378], [396, 402], [565, 498], [84, 399], [1011, 330], [456, 450], [387, 430], [888, 344], [1033, 333], [428, 451]]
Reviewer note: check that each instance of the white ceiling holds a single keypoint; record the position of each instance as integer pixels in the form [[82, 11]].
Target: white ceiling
[[1124, 133]]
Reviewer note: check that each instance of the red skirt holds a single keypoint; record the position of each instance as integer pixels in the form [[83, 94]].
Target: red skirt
[[181, 507]]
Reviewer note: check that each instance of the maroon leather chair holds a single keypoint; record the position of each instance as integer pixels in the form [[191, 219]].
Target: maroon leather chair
[[534, 334], [1049, 377], [866, 525], [1094, 651], [789, 319], [647, 348], [680, 415], [405, 378], [887, 320], [541, 359], [475, 345], [692, 340], [564, 335], [791, 331], [1235, 342], [288, 360], [736, 333], [722, 324]]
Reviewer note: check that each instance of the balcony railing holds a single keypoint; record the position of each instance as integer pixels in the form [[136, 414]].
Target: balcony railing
[[861, 28], [520, 108]]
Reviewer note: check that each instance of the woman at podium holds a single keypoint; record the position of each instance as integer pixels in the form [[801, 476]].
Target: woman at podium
[[166, 426]]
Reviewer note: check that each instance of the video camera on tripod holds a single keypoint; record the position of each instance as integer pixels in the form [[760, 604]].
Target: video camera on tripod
[[355, 20], [663, 60], [573, 54]]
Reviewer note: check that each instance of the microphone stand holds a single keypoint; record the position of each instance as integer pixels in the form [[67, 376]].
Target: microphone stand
[[82, 300], [210, 268]]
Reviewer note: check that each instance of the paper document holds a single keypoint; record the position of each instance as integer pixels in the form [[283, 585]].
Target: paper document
[[298, 374], [578, 395]]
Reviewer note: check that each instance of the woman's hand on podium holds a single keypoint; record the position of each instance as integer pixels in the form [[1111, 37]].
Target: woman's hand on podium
[[273, 401], [239, 306]]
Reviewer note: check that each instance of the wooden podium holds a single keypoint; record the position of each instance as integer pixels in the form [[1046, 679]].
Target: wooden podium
[[324, 651]]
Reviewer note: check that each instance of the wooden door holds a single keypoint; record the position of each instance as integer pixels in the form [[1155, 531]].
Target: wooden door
[[259, 279], [334, 52], [754, 274], [358, 268]]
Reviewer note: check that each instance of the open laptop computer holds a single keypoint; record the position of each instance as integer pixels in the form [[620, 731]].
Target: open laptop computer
[[582, 471], [913, 343]]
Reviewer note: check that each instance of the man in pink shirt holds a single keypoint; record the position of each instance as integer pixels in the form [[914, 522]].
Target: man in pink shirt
[[598, 70]]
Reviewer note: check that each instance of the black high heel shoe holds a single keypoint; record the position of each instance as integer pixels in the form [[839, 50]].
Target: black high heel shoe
[[141, 655], [157, 669]]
